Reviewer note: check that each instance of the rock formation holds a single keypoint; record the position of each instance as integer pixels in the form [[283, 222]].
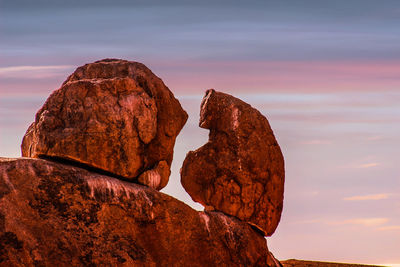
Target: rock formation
[[53, 214], [112, 115], [113, 122], [240, 171]]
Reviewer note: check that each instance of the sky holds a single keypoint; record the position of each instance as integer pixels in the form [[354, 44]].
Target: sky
[[326, 74]]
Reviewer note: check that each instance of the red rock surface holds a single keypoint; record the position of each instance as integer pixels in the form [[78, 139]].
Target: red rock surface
[[53, 214], [240, 171], [113, 115]]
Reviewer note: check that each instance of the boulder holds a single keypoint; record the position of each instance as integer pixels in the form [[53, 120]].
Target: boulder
[[240, 170], [53, 214], [111, 115]]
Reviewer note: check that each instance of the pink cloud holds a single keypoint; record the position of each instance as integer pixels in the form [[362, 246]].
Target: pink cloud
[[390, 228], [189, 77], [290, 76], [362, 221]]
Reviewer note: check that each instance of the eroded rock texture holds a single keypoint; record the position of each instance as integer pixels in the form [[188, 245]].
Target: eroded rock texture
[[240, 171], [58, 215], [114, 115]]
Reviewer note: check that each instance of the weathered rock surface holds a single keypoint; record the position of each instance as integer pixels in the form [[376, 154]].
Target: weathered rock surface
[[58, 215], [240, 171], [113, 115]]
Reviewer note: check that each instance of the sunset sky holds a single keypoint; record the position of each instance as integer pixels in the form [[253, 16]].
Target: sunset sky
[[326, 74]]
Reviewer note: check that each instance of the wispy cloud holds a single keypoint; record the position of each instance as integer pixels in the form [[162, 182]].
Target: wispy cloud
[[32, 68], [5, 70], [389, 228], [34, 71], [308, 221], [374, 138], [358, 165], [367, 197], [362, 221], [317, 142], [367, 165], [356, 221]]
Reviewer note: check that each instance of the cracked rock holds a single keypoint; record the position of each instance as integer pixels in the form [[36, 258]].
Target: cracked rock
[[240, 171], [112, 115]]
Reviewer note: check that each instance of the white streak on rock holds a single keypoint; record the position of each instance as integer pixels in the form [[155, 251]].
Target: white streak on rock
[[203, 108], [235, 118], [31, 171], [226, 224], [223, 219], [144, 195], [154, 179], [6, 179], [107, 185], [206, 219], [150, 178]]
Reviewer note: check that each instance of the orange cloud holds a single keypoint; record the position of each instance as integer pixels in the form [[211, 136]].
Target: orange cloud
[[368, 197], [362, 221], [367, 165], [389, 228]]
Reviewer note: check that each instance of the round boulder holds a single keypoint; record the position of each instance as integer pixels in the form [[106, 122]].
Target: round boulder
[[114, 116]]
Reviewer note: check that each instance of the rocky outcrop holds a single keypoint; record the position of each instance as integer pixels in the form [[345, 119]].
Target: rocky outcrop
[[53, 214], [240, 171], [113, 122], [112, 115]]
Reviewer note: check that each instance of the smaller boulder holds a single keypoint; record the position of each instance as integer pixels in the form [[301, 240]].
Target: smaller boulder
[[240, 171]]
